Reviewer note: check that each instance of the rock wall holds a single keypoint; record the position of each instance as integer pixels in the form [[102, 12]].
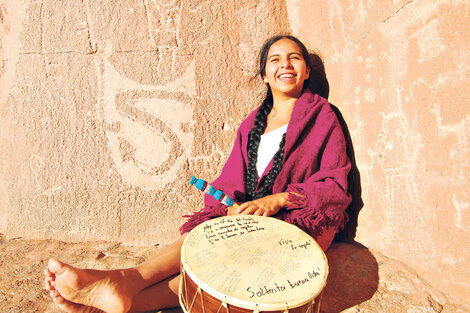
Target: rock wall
[[107, 108], [398, 70]]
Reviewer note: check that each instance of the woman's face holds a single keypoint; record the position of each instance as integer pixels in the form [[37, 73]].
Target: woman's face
[[286, 69]]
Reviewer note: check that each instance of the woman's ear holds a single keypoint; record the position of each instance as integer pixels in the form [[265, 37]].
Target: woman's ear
[[265, 79], [307, 70]]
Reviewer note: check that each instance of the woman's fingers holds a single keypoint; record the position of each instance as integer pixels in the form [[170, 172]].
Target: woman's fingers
[[246, 211], [255, 210], [242, 207], [259, 212], [250, 209]]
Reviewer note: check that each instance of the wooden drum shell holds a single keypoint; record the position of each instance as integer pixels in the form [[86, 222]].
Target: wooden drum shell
[[195, 300]]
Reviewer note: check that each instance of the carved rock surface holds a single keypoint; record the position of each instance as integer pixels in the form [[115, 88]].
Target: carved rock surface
[[353, 284]]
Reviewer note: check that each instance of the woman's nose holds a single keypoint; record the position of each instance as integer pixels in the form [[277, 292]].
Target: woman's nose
[[286, 63]]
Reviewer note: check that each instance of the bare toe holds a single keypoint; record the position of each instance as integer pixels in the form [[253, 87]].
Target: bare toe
[[54, 293], [55, 267], [47, 273]]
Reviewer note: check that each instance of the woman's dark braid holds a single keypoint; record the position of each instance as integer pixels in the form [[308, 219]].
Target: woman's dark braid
[[253, 144], [251, 178]]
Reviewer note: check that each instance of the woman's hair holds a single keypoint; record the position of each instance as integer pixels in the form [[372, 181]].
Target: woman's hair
[[251, 180]]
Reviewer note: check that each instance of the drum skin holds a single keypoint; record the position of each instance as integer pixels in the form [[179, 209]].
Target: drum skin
[[283, 267]]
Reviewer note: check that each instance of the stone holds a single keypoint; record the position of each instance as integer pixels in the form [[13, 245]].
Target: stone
[[363, 280]]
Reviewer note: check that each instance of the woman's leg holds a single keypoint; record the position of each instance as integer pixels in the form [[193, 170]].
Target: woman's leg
[[114, 290], [159, 296]]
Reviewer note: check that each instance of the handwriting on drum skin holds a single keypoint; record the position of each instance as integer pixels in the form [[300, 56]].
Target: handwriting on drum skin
[[266, 290], [226, 229], [283, 242]]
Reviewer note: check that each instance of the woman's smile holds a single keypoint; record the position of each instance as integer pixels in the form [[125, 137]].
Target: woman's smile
[[286, 76]]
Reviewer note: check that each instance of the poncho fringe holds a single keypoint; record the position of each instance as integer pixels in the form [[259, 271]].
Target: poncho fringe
[[202, 216]]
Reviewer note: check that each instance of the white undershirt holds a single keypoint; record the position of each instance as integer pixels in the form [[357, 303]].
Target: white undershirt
[[268, 146]]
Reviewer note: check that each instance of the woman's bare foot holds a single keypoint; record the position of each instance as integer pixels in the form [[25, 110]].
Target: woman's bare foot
[[71, 307], [83, 290], [62, 303]]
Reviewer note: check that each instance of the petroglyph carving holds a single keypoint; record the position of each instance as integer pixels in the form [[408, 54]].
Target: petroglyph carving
[[36, 164], [163, 25], [457, 129], [148, 126], [429, 42], [205, 162], [462, 209], [458, 152], [398, 150]]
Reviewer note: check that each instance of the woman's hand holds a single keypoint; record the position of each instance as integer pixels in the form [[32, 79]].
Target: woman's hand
[[266, 206]]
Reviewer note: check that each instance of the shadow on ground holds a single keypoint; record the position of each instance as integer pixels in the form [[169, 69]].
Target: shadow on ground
[[353, 277]]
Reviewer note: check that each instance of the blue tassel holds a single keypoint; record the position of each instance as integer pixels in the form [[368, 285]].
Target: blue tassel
[[207, 188]]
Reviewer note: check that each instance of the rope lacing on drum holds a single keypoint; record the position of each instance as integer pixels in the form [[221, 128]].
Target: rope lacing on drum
[[310, 307], [183, 276], [220, 306], [226, 305], [202, 299], [313, 304], [223, 303], [287, 308], [194, 299], [256, 309]]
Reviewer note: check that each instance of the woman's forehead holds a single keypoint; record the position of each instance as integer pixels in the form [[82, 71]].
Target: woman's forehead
[[284, 45]]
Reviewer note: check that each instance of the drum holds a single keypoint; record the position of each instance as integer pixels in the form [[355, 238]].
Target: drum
[[247, 263]]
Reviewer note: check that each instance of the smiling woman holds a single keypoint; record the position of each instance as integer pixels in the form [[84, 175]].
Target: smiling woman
[[303, 183], [286, 69]]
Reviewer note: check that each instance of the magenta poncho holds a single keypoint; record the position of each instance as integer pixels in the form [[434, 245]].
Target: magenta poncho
[[315, 166]]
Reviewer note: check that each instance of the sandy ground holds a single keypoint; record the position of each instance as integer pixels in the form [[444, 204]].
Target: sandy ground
[[23, 261], [353, 283]]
